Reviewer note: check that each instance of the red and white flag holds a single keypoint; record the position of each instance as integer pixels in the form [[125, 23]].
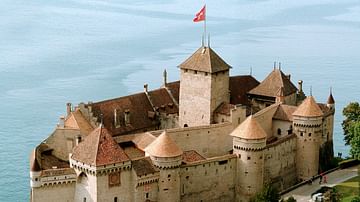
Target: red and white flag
[[200, 16]]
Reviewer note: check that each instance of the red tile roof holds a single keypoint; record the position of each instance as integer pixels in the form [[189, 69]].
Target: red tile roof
[[308, 108], [225, 109], [192, 156], [272, 83], [99, 148], [77, 121], [249, 129], [284, 112], [174, 88], [206, 60], [137, 105], [162, 101], [163, 146], [239, 86]]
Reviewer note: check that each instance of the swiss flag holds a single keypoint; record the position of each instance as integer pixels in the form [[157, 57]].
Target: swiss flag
[[200, 16]]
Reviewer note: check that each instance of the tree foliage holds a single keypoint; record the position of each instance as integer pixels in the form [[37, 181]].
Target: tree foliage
[[267, 194], [352, 115], [290, 199], [355, 140]]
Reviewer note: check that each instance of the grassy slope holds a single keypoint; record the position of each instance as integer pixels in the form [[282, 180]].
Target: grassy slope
[[349, 189]]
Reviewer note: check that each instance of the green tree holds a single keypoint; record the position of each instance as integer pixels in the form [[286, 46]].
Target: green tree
[[356, 199], [352, 115], [267, 194], [355, 140]]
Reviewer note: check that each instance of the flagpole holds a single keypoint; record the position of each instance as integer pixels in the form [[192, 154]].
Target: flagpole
[[205, 25]]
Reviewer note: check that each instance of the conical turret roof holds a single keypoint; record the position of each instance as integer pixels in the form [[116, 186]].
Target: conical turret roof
[[331, 99], [34, 165], [205, 60], [308, 108], [99, 148], [249, 129], [163, 146], [272, 83]]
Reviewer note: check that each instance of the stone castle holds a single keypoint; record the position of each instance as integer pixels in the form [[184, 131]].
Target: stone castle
[[208, 137]]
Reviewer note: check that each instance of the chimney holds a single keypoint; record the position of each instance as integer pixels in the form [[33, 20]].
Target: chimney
[[146, 88], [127, 116], [300, 82], [68, 108], [116, 119], [77, 139], [165, 77], [61, 122]]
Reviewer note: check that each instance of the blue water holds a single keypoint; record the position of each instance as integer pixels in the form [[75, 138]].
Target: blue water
[[53, 52]]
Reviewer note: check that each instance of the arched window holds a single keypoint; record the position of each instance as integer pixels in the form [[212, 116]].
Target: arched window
[[279, 131], [84, 199], [115, 199], [186, 125]]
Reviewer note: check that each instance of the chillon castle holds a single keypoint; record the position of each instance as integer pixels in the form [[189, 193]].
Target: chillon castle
[[208, 137]]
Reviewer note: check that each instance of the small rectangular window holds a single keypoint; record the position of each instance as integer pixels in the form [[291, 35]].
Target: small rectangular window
[[248, 158]]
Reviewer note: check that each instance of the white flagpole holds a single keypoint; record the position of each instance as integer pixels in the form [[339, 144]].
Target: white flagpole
[[205, 25]]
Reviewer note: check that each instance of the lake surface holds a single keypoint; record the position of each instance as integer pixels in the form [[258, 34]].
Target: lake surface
[[54, 52]]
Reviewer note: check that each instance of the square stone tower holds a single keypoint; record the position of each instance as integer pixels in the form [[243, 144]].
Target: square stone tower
[[204, 85]]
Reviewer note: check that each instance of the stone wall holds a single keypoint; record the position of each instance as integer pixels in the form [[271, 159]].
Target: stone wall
[[280, 162], [62, 141], [208, 141], [209, 180], [54, 193]]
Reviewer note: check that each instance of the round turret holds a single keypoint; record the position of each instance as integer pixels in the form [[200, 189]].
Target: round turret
[[35, 171], [167, 156], [164, 152], [249, 141], [331, 101], [307, 126]]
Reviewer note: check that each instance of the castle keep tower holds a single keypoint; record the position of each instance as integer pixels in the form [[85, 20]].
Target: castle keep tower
[[204, 85], [308, 129], [102, 167], [249, 141], [167, 156]]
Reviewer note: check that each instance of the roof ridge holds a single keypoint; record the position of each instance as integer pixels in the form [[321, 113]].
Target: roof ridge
[[98, 144]]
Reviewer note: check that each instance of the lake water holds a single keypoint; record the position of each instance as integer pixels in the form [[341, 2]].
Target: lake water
[[53, 52]]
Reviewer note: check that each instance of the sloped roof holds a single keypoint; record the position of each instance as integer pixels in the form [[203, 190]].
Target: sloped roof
[[239, 86], [77, 121], [284, 112], [206, 60], [331, 99], [143, 166], [163, 146], [192, 156], [34, 165], [224, 108], [99, 148], [272, 83], [162, 101], [308, 108], [137, 104], [249, 129]]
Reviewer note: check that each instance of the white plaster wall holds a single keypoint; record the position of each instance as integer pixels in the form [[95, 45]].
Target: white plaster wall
[[284, 126]]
